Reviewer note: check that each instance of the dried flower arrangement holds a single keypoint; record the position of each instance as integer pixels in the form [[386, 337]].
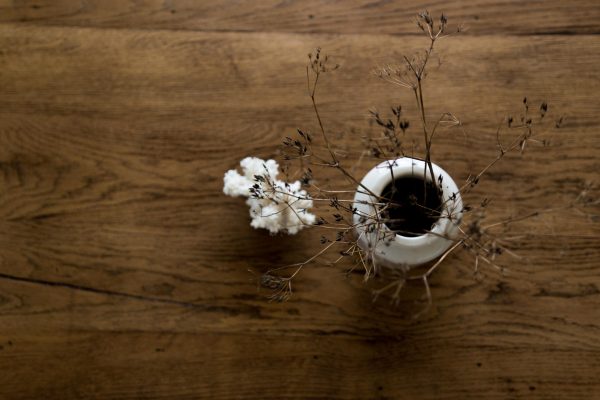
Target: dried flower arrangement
[[414, 205]]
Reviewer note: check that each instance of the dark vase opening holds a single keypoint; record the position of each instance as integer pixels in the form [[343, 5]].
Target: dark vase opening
[[412, 206]]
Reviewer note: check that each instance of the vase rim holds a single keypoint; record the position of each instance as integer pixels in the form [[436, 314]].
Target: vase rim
[[408, 250]]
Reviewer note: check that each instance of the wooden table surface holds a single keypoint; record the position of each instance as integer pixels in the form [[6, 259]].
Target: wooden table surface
[[124, 270]]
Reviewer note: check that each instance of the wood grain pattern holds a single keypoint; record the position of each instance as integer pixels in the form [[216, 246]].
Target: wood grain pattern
[[312, 16], [124, 270]]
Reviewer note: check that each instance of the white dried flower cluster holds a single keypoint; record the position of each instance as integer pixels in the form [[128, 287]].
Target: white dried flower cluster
[[274, 205]]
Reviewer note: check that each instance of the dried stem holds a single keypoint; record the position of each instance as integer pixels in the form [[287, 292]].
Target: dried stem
[[480, 240]]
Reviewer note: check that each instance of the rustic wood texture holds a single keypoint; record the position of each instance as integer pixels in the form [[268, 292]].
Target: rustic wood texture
[[124, 270]]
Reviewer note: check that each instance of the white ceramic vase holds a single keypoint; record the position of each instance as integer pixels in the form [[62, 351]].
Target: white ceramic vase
[[397, 251]]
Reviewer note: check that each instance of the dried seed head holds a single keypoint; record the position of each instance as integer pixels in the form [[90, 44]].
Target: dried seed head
[[271, 281], [543, 109]]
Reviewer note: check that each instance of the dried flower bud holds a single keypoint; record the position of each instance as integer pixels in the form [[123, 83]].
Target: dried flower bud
[[443, 19], [425, 16], [404, 124], [543, 109], [271, 281]]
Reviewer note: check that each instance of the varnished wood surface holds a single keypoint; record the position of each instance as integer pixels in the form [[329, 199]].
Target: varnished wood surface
[[124, 270]]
